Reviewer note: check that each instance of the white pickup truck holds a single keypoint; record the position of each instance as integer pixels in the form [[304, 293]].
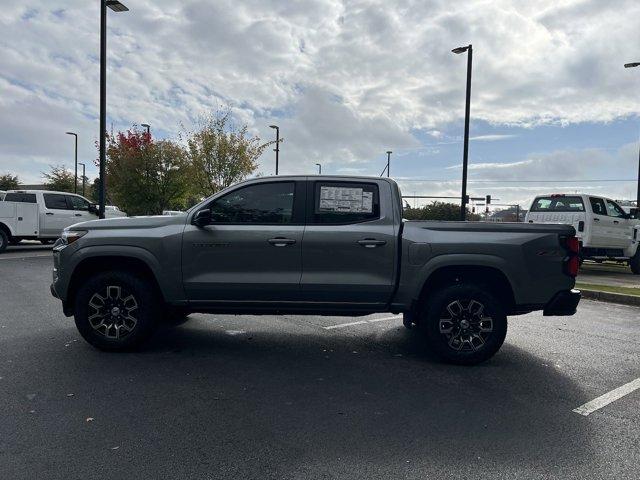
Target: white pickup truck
[[43, 214], [604, 229]]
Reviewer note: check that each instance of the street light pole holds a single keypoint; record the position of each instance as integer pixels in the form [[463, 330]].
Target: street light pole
[[75, 177], [465, 155], [389, 152], [116, 6], [277, 149], [319, 169], [83, 176], [148, 127], [633, 65]]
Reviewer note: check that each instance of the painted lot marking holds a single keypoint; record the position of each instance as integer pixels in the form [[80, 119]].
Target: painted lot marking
[[361, 322], [607, 398]]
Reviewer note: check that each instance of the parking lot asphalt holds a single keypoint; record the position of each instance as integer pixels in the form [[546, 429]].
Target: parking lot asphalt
[[225, 396]]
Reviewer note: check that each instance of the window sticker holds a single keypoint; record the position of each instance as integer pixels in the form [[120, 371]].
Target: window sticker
[[345, 200]]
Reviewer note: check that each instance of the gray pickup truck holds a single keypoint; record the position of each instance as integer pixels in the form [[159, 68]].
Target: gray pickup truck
[[320, 245]]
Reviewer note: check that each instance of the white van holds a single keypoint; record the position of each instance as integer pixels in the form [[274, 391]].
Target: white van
[[604, 229], [42, 215]]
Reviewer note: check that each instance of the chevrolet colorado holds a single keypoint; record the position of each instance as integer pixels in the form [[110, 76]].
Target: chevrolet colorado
[[321, 245]]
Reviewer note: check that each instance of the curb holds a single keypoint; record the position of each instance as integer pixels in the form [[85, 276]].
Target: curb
[[633, 300]]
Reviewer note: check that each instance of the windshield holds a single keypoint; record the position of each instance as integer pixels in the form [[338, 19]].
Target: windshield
[[558, 204]]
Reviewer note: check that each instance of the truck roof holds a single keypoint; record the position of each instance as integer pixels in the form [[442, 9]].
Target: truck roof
[[43, 191]]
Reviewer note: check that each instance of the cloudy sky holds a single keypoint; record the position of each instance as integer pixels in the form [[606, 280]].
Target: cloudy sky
[[346, 81]]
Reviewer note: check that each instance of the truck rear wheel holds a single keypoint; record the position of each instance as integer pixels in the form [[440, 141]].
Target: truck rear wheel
[[634, 262], [464, 324], [116, 310]]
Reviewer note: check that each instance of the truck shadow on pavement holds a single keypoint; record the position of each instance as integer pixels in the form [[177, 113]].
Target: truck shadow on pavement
[[383, 397], [204, 400]]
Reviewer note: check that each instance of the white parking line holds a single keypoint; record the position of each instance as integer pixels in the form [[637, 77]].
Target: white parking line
[[607, 398], [361, 322]]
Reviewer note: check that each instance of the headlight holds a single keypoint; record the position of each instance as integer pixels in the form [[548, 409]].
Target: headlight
[[70, 236]]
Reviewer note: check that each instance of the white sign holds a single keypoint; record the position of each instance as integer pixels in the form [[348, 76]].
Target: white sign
[[345, 200]]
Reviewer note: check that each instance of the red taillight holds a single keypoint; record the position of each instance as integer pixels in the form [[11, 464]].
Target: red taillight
[[573, 245], [572, 261], [572, 266]]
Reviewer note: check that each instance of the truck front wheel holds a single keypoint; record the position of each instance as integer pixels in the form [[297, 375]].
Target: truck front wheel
[[116, 310], [464, 324]]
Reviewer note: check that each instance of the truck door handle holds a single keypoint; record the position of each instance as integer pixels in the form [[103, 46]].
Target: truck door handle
[[281, 241], [371, 243], [596, 219], [77, 214], [616, 222], [49, 213]]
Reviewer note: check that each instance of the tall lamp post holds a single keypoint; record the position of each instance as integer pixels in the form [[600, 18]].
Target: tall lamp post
[[75, 178], [319, 169], [148, 127], [389, 152], [83, 176], [116, 6], [277, 149], [633, 65], [465, 155]]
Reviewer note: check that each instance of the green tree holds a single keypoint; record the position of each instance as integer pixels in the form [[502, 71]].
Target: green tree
[[438, 211], [146, 177], [59, 179], [9, 182], [220, 154]]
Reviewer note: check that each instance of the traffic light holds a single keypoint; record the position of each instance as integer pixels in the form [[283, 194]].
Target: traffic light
[[487, 201]]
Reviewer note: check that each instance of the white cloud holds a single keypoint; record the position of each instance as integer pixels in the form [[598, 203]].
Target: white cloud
[[345, 80]]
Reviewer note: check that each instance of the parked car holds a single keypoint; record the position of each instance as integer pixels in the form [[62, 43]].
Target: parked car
[[605, 231], [314, 245], [111, 211], [42, 215], [2, 194]]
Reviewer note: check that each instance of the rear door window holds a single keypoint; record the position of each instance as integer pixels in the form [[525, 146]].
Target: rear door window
[[56, 201], [597, 205], [20, 197], [560, 203], [344, 202]]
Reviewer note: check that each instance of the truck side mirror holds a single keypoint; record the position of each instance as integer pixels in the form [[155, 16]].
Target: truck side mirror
[[93, 208], [634, 213], [202, 218]]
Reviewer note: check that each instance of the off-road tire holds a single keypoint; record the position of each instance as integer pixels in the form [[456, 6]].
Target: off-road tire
[[106, 306], [464, 324], [634, 262]]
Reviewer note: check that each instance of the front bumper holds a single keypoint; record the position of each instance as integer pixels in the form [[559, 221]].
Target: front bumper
[[563, 303]]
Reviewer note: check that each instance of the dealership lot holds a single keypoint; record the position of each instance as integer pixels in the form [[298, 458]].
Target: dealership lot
[[309, 397]]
